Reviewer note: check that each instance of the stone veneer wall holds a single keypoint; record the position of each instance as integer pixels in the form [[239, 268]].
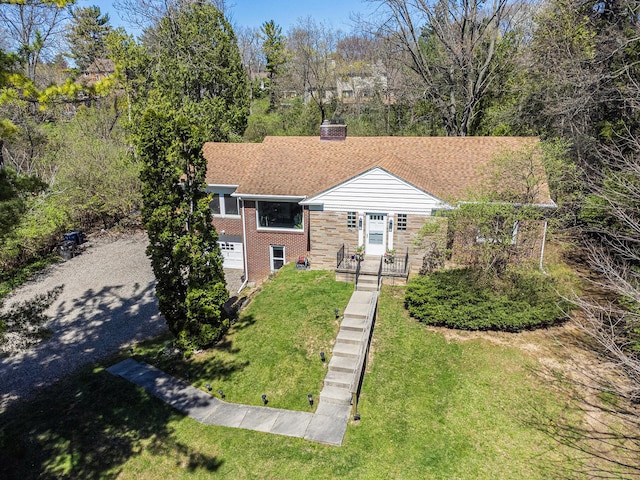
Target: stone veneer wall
[[258, 244], [434, 229], [328, 232]]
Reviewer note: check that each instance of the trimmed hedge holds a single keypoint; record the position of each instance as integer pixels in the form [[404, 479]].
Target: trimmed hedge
[[466, 300]]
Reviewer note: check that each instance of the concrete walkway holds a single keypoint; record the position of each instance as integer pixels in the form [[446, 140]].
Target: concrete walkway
[[327, 425]]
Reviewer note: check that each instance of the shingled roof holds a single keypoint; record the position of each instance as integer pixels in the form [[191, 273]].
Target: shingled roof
[[446, 167]]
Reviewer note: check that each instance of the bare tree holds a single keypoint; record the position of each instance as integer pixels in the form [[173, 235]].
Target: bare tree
[[250, 50], [145, 13], [312, 66], [252, 58], [33, 30], [454, 48]]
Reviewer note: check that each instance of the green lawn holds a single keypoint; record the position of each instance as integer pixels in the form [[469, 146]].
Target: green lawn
[[430, 408]]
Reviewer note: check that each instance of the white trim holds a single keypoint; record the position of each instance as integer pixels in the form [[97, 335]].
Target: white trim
[[275, 198], [221, 185]]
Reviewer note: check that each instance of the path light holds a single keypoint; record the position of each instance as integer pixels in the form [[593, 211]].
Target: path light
[[208, 386], [264, 399], [322, 357], [337, 312], [356, 417], [221, 393], [310, 397]]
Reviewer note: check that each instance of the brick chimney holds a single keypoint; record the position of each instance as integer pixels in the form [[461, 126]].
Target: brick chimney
[[335, 129]]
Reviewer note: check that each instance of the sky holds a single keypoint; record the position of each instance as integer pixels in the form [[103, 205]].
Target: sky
[[285, 13]]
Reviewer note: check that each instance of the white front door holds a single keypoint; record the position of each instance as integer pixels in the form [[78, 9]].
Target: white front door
[[376, 234]]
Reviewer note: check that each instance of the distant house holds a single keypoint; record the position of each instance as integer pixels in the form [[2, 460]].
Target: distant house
[[99, 69], [321, 198]]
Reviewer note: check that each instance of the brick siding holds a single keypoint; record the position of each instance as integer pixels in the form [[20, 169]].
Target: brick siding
[[231, 226], [258, 244]]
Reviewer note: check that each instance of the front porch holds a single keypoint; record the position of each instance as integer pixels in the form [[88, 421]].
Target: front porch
[[362, 269]]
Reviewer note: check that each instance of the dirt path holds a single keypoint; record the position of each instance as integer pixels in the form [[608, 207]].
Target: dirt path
[[107, 303]]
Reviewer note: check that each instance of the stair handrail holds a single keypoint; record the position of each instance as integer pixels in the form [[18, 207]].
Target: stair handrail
[[357, 273], [340, 256], [406, 262], [363, 353], [380, 273]]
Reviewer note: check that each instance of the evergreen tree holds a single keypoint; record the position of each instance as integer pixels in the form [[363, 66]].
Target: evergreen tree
[[87, 35], [198, 92], [274, 51]]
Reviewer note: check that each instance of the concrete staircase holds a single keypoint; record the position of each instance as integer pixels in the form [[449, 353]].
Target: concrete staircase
[[342, 381], [368, 279]]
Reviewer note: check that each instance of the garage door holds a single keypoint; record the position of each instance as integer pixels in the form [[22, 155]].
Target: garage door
[[231, 254]]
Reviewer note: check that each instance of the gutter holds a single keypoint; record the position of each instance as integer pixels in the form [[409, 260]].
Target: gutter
[[539, 205], [244, 250], [544, 240], [256, 196]]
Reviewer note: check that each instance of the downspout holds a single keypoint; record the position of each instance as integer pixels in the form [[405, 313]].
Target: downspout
[[544, 240], [244, 250]]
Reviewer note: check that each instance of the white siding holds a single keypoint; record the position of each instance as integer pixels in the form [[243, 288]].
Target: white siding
[[377, 191]]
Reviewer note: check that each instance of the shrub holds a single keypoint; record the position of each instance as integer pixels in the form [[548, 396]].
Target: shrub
[[467, 300]]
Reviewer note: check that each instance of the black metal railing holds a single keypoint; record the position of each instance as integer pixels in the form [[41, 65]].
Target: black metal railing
[[345, 260], [380, 273], [357, 272], [340, 256], [394, 264]]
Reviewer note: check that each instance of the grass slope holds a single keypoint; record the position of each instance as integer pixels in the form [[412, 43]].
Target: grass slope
[[430, 408]]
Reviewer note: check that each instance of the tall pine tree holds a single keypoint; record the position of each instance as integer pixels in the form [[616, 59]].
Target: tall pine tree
[[87, 35], [273, 48]]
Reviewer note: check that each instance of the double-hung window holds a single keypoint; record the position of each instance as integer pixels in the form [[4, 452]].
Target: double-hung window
[[498, 231], [224, 205]]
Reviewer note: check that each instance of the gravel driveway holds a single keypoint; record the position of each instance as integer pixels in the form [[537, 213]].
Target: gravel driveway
[[107, 303]]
